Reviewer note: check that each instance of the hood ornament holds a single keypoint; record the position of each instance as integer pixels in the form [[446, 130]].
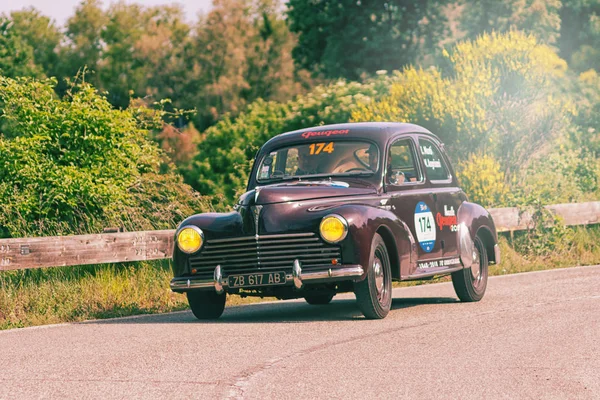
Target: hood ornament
[[256, 211]]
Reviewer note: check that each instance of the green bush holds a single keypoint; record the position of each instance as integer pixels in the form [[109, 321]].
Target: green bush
[[482, 178], [498, 106], [76, 165], [494, 96]]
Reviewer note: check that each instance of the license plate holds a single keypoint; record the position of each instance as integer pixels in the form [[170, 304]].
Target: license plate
[[259, 279]]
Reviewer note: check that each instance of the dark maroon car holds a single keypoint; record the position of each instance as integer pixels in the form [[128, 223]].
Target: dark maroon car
[[339, 208]]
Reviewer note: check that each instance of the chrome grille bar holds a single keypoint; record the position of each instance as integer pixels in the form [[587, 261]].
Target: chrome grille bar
[[263, 252]]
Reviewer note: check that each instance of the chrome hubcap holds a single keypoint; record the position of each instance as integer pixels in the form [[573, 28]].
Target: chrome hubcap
[[378, 270], [475, 267]]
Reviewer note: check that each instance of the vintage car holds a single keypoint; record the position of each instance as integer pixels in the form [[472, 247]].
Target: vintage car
[[338, 208]]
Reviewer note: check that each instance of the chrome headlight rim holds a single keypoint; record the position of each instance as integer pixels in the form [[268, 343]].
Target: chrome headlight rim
[[339, 218], [195, 228]]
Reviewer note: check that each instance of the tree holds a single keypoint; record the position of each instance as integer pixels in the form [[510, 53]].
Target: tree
[[538, 17], [84, 47], [240, 53], [345, 38], [580, 33], [41, 34], [16, 55]]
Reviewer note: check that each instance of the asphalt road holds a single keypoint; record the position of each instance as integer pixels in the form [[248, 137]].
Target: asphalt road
[[534, 335]]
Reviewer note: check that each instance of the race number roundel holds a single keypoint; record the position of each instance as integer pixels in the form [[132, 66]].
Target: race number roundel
[[425, 227]]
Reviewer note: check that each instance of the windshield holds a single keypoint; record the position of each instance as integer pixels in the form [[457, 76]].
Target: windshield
[[317, 159]]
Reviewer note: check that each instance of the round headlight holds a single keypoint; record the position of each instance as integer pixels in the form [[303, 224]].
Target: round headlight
[[190, 239], [333, 228]]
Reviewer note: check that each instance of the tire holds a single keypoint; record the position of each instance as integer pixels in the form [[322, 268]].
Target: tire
[[468, 287], [206, 305], [374, 293], [319, 299]]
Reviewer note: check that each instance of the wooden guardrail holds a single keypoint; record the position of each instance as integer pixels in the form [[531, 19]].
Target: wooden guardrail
[[58, 251], [510, 219]]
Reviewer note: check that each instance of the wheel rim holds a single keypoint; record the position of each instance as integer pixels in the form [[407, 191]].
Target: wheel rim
[[381, 278], [477, 267], [379, 281]]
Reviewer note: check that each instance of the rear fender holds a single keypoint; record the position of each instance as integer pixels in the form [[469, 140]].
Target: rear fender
[[475, 220]]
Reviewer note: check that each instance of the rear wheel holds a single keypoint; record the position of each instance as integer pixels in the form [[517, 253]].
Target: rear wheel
[[319, 299], [470, 283], [206, 304], [374, 294]]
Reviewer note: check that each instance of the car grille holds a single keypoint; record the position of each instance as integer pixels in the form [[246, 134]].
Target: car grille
[[265, 253]]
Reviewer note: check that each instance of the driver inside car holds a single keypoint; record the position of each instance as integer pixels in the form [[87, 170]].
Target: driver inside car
[[307, 164], [393, 175]]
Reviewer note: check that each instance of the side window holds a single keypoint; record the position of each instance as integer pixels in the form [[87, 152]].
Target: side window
[[434, 163], [402, 167]]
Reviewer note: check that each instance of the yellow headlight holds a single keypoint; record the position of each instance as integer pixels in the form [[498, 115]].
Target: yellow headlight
[[190, 239], [334, 228]]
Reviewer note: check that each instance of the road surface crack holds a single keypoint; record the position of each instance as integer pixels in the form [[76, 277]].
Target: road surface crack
[[240, 384]]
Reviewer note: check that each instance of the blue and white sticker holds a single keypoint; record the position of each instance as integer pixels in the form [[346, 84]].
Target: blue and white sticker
[[425, 227]]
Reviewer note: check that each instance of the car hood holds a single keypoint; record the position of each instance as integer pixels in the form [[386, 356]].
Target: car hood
[[305, 190]]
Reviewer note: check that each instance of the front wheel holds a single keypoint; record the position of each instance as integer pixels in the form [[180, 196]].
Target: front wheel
[[206, 305], [470, 283], [374, 294]]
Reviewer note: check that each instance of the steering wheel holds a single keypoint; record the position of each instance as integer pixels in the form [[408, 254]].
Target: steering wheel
[[396, 177]]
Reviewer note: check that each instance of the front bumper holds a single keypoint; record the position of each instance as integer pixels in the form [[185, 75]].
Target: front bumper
[[297, 278]]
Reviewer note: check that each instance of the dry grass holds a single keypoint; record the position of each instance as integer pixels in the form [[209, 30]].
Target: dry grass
[[69, 294]]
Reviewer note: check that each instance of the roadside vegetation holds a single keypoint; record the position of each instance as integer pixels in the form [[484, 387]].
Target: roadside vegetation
[[131, 117], [73, 294]]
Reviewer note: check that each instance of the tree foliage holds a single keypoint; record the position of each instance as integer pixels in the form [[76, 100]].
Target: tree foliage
[[579, 41], [16, 56], [76, 164], [571, 26], [347, 38], [538, 17], [478, 102], [498, 108]]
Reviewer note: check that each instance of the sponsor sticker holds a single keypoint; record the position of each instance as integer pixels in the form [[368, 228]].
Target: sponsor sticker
[[264, 172], [445, 262], [448, 219], [433, 164], [426, 151], [425, 227]]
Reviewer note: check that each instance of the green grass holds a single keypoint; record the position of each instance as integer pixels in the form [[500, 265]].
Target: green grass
[[69, 294]]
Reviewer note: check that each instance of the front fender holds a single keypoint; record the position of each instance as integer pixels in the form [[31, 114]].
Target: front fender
[[213, 225], [473, 219], [363, 222]]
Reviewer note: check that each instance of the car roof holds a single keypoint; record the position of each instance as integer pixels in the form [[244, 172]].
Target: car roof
[[377, 131]]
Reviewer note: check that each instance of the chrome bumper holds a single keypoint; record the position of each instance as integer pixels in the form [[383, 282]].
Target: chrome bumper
[[296, 278]]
